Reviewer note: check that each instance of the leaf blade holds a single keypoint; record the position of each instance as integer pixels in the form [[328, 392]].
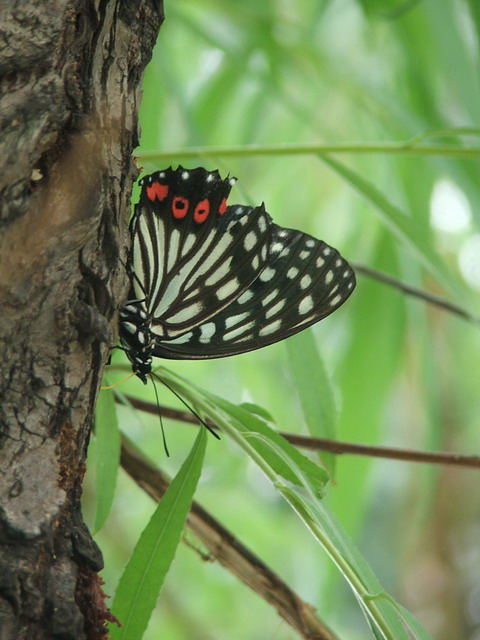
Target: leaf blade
[[107, 456], [143, 578]]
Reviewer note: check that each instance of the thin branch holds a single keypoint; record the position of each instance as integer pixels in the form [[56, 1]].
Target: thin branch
[[238, 151], [325, 444], [226, 549], [431, 298]]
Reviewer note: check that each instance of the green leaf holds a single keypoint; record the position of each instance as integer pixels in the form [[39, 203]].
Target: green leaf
[[257, 410], [278, 459], [265, 445], [388, 620], [142, 580], [405, 227], [107, 455], [282, 457], [313, 388]]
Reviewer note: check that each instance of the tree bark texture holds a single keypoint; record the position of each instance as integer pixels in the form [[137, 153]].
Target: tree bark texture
[[69, 91]]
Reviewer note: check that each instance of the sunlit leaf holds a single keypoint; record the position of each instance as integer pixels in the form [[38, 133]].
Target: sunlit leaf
[[145, 572]]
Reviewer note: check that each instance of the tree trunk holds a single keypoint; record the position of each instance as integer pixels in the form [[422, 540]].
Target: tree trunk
[[70, 74]]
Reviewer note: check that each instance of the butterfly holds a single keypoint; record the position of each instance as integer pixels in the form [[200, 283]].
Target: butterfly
[[210, 280]]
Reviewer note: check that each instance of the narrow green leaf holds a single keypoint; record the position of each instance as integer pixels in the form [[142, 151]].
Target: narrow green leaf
[[257, 410], [142, 580], [107, 455], [313, 388], [447, 132], [405, 227], [386, 617], [275, 450], [278, 459]]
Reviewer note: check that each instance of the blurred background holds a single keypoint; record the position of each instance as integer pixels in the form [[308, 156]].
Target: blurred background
[[234, 73]]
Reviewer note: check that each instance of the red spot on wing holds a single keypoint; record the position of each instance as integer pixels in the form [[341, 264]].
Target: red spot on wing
[[157, 191], [201, 211], [179, 207], [223, 206]]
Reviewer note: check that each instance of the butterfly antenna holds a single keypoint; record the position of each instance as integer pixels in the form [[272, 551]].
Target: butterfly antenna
[[159, 413], [115, 384], [185, 403]]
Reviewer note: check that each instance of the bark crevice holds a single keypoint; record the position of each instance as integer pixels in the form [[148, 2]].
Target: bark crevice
[[70, 76]]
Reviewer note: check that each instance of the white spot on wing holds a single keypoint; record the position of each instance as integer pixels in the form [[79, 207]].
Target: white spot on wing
[[276, 247], [292, 273], [245, 297], [262, 223], [227, 289], [329, 277], [306, 281], [270, 328], [304, 254], [173, 247], [158, 330], [275, 309], [246, 338], [188, 243], [320, 262], [270, 297], [185, 175], [231, 321], [182, 339], [206, 332], [249, 240], [335, 300], [186, 313], [267, 274], [233, 333], [306, 305], [131, 328]]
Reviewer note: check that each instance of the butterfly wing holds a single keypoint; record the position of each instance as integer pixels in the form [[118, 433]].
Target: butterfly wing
[[192, 255], [303, 280]]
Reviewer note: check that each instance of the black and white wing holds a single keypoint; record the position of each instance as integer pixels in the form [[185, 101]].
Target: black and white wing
[[211, 280], [191, 255], [303, 281]]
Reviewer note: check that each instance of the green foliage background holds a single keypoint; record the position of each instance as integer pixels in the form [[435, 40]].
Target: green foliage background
[[234, 73]]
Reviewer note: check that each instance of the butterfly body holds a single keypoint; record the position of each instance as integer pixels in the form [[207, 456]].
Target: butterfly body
[[211, 280]]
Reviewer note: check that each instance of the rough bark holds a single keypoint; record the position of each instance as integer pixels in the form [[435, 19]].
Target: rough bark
[[69, 93]]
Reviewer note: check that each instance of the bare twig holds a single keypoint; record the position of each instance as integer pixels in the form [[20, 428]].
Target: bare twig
[[325, 444], [431, 298], [226, 549]]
